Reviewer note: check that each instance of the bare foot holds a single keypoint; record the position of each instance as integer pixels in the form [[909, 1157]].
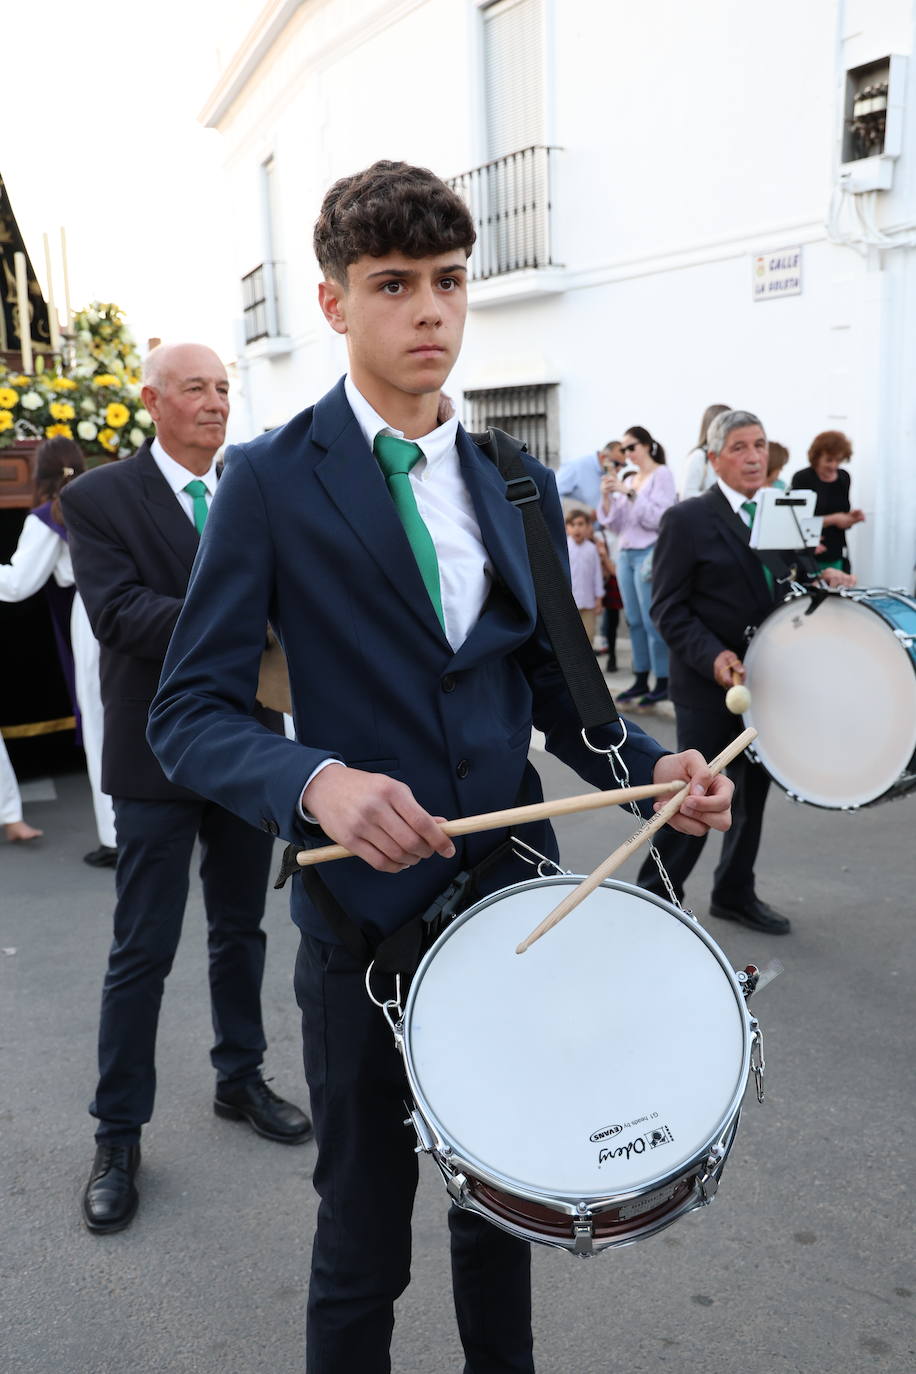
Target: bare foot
[[18, 830]]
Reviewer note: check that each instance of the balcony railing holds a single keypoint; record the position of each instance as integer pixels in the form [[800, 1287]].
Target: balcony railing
[[259, 302], [510, 202]]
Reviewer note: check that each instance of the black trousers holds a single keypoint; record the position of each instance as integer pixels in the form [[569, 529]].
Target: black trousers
[[366, 1177], [155, 843], [733, 883]]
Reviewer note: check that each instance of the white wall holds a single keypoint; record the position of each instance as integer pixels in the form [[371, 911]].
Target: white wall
[[692, 137]]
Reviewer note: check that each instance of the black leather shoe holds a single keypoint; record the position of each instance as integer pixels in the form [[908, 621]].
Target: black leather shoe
[[103, 857], [755, 914], [251, 1100], [111, 1199]]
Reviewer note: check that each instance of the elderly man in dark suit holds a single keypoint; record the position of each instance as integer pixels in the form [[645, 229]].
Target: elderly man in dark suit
[[134, 531], [709, 587]]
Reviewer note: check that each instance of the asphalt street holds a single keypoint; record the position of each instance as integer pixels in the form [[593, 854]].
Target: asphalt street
[[803, 1265]]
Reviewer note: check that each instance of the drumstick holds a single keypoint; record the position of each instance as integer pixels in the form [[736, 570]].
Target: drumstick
[[515, 815], [621, 854], [737, 698]]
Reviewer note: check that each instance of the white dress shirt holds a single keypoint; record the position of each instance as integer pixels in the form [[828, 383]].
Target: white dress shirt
[[736, 500], [178, 477], [445, 505]]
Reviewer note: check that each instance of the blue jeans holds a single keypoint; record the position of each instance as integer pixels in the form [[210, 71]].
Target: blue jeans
[[648, 646]]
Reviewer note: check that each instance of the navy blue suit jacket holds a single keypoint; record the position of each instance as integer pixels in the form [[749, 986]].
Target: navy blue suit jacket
[[303, 533]]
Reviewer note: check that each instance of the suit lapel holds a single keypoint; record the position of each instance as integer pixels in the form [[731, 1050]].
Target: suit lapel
[[165, 509], [351, 478]]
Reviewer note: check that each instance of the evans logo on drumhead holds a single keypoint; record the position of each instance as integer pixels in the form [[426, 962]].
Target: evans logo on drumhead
[[605, 1133]]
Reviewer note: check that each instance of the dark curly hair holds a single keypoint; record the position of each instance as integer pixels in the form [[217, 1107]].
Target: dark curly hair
[[391, 207]]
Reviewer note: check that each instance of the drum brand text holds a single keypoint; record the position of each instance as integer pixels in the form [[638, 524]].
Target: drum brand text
[[637, 1146]]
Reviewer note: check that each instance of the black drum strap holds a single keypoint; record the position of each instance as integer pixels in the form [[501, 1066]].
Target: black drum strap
[[401, 951], [569, 640]]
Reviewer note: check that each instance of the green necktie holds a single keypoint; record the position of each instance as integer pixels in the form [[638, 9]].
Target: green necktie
[[395, 458], [198, 491], [750, 509]]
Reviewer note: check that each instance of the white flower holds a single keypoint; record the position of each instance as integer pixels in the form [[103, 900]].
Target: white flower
[[87, 430], [143, 418], [88, 405], [137, 437], [31, 401]]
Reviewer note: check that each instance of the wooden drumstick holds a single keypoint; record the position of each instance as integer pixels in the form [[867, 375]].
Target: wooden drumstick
[[738, 697], [621, 854], [515, 815]]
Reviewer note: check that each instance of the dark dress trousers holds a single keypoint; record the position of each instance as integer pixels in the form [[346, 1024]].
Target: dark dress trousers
[[303, 532], [709, 588], [133, 547]]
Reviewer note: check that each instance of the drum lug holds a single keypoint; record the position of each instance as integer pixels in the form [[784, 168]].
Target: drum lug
[[583, 1233], [709, 1180], [749, 632], [457, 1185]]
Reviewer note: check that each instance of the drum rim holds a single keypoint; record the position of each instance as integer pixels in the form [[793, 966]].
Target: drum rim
[[860, 596], [567, 1201]]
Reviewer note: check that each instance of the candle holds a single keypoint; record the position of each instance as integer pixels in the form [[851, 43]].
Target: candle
[[63, 255], [25, 322], [52, 309]]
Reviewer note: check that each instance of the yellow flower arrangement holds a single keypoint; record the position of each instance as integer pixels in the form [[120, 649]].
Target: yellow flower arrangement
[[100, 390]]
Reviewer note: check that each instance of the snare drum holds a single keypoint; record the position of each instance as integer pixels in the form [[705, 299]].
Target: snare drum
[[586, 1093], [833, 696]]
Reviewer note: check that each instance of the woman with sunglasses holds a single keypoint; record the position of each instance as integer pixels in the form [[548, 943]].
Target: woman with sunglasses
[[633, 508]]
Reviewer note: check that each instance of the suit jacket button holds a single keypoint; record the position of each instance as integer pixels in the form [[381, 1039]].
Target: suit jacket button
[[270, 826], [448, 683], [463, 768]]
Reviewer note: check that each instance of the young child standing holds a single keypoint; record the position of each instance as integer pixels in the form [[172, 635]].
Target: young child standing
[[585, 568]]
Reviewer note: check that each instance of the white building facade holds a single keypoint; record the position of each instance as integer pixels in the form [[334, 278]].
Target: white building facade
[[677, 205]]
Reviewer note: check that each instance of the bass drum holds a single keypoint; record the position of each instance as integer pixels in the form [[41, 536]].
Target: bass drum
[[832, 679], [586, 1093]]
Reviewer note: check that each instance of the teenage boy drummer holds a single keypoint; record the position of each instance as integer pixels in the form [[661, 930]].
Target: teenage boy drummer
[[417, 665]]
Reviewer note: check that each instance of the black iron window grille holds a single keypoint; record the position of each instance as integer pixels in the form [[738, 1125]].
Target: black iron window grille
[[509, 199], [529, 413]]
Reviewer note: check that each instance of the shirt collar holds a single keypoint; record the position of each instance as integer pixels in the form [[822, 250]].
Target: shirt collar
[[436, 445], [735, 499], [177, 475]]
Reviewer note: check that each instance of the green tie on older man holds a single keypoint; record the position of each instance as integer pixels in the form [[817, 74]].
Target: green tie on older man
[[197, 490]]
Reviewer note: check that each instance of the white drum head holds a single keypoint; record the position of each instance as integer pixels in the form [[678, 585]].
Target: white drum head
[[606, 1057], [833, 700]]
